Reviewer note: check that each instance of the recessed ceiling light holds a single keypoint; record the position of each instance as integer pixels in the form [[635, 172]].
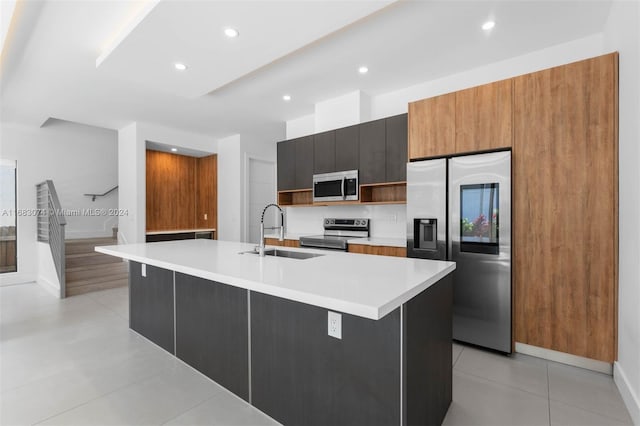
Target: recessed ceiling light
[[231, 32], [363, 70], [488, 25], [174, 149], [286, 97], [180, 66]]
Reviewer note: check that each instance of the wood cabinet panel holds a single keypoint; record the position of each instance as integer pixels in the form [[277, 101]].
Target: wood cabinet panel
[[378, 250], [324, 152], [432, 124], [285, 243], [207, 192], [171, 191], [483, 117], [565, 208]]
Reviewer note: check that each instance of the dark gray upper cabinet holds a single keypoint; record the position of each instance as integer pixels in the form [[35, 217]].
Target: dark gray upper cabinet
[[347, 148], [324, 152], [286, 165], [372, 152], [304, 162], [396, 149]]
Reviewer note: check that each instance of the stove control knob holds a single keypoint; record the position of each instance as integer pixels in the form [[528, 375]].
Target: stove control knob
[[326, 221]]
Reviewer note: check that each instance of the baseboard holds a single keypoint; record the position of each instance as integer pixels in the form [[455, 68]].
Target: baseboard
[[629, 397], [13, 278], [565, 358], [49, 286]]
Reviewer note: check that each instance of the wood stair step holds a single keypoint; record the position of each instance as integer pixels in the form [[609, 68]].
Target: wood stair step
[[90, 259], [97, 279], [87, 245], [89, 271], [94, 241], [105, 285]]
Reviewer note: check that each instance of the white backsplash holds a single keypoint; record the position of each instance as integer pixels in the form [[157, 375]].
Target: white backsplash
[[387, 220]]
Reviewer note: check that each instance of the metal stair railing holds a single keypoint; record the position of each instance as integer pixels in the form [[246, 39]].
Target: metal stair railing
[[51, 225]]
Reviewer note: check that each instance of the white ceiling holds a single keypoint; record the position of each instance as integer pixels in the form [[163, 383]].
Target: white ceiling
[[309, 49]]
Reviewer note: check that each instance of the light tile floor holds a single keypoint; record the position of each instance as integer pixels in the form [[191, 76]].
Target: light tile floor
[[74, 362]]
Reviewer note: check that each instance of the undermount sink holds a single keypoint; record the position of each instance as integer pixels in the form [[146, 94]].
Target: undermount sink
[[285, 253]]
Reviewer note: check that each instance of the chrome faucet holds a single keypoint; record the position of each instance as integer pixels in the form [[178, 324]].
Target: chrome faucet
[[260, 248]]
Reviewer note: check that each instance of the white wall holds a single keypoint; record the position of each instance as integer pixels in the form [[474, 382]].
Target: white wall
[[301, 126], [622, 34], [131, 181], [78, 159], [47, 273], [229, 189], [132, 170], [396, 102], [342, 111], [387, 221]]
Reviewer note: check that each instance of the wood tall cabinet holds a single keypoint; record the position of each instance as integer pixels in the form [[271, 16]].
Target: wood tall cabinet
[[561, 125], [475, 119], [432, 126], [180, 190], [565, 208], [484, 117]]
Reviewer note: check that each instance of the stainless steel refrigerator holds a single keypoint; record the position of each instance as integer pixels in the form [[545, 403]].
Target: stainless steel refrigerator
[[459, 209]]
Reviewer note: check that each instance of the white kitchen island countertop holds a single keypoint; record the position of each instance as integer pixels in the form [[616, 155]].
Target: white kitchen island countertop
[[357, 284]]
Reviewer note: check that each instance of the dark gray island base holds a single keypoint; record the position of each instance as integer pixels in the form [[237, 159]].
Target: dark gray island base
[[276, 354]]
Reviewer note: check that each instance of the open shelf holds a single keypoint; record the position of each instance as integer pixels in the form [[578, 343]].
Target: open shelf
[[377, 193], [296, 197], [384, 193]]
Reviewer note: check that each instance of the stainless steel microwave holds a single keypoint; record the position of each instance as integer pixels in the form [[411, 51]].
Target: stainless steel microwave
[[337, 186]]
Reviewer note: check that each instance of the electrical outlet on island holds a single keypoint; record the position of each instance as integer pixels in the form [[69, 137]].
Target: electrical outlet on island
[[335, 325]]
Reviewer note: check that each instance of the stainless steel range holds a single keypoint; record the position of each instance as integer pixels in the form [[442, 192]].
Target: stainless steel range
[[336, 234]]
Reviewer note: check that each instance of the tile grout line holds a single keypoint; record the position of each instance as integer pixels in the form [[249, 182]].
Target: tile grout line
[[499, 383], [99, 396], [107, 307], [578, 407], [188, 409], [458, 357]]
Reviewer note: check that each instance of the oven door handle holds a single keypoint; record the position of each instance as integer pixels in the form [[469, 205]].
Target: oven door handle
[[344, 181]]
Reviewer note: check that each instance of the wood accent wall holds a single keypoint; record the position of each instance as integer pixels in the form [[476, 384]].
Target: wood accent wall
[[565, 208], [180, 189], [207, 192], [171, 189]]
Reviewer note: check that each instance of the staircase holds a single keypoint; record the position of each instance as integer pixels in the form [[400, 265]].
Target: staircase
[[87, 270]]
